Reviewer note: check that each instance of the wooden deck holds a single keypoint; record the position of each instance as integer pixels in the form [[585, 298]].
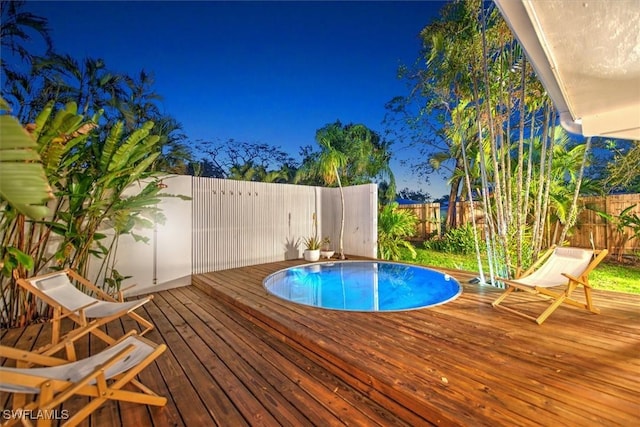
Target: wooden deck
[[238, 356]]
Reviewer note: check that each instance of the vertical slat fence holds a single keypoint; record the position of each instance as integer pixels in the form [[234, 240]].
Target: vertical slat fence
[[240, 223]]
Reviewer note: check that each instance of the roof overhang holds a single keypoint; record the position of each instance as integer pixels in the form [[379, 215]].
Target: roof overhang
[[587, 55]]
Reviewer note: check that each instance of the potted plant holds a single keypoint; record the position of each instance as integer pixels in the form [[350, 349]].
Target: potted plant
[[312, 243], [325, 250], [312, 253]]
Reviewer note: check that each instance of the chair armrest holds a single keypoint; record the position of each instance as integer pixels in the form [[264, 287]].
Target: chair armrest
[[120, 293], [576, 279], [25, 357]]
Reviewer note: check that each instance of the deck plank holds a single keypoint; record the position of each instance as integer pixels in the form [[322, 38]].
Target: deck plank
[[239, 356], [296, 378], [498, 367]]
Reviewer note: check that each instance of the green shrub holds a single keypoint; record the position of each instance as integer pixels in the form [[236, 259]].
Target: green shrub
[[394, 226], [455, 241]]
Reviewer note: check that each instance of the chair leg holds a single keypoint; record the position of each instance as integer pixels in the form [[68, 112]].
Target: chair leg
[[502, 296], [46, 395], [142, 322], [556, 303], [589, 302], [55, 327]]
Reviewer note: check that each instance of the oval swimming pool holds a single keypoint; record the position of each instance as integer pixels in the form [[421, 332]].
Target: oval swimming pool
[[363, 286]]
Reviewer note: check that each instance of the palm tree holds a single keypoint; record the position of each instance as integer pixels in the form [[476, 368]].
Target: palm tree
[[329, 164], [175, 155], [16, 33], [88, 83], [139, 104], [349, 155], [16, 28]]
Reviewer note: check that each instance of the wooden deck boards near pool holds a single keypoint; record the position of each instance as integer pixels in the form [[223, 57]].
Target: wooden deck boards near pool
[[238, 356]]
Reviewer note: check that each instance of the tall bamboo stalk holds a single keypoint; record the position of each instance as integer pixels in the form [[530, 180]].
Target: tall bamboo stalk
[[537, 215], [573, 212], [499, 195], [547, 180], [521, 210]]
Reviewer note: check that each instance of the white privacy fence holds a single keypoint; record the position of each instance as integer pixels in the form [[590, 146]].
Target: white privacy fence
[[229, 224], [239, 223]]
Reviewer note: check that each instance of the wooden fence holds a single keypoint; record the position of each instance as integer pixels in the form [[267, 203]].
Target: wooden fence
[[430, 219], [589, 226], [605, 234]]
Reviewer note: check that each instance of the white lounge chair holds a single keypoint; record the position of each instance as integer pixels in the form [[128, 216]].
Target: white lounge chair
[[559, 266], [89, 311], [100, 377]]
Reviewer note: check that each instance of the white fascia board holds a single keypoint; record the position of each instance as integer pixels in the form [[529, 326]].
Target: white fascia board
[[517, 17]]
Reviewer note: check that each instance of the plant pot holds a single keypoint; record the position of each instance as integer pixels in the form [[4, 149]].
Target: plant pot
[[327, 254], [312, 254]]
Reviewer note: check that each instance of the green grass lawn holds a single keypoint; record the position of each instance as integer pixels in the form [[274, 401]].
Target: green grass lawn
[[607, 275]]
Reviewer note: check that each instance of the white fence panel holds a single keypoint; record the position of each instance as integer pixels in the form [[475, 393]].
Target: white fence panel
[[239, 223], [361, 223], [361, 219], [165, 261], [229, 224]]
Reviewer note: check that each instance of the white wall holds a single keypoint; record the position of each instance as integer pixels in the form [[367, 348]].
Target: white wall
[[239, 223], [166, 260], [230, 224], [361, 219]]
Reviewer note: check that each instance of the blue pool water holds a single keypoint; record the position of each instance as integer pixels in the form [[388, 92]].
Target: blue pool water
[[363, 286]]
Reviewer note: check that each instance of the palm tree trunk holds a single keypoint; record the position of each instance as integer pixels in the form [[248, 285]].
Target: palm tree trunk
[[549, 178], [452, 215], [499, 195], [341, 242]]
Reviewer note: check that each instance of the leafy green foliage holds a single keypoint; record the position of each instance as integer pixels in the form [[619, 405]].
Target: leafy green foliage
[[394, 227], [608, 276], [114, 283], [497, 133], [13, 258], [91, 173], [23, 183], [312, 243], [458, 240], [626, 220], [360, 154], [622, 170]]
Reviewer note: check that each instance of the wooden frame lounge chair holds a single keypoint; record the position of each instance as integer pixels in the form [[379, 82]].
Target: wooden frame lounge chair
[[559, 266], [100, 377], [89, 310]]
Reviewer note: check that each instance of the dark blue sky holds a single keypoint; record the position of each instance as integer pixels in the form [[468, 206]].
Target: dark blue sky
[[268, 72]]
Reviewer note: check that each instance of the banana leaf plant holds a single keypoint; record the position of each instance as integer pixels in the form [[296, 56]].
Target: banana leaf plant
[[23, 184], [90, 172]]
